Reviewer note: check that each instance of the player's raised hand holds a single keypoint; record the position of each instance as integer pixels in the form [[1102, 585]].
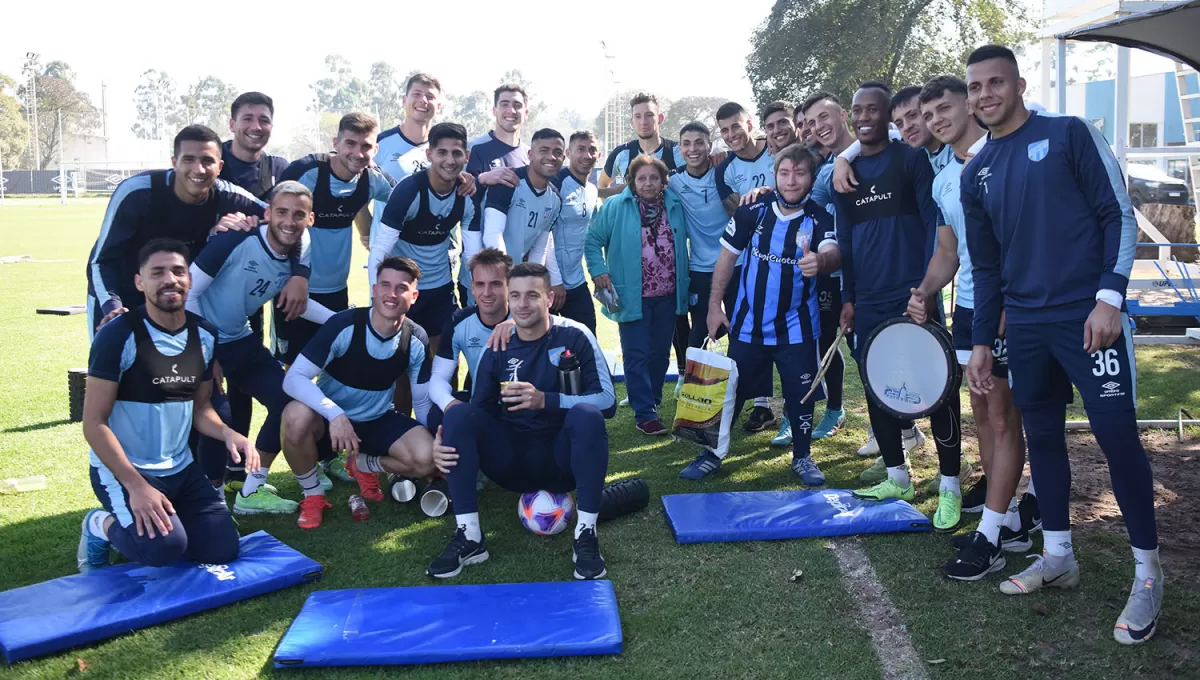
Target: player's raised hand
[[498, 340], [236, 222], [844, 180], [810, 262], [504, 176], [466, 185]]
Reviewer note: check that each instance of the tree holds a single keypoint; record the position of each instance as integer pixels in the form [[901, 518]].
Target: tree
[[687, 109], [809, 45], [386, 92], [14, 131], [341, 91], [208, 102], [158, 106], [56, 93], [472, 110]]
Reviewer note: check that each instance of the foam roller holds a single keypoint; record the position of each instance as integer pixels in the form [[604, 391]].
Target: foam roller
[[624, 497]]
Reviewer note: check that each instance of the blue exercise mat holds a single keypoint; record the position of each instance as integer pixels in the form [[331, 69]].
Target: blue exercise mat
[[433, 624], [75, 610], [774, 515]]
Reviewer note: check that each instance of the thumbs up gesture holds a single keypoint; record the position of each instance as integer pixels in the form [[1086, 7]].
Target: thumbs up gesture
[[810, 262]]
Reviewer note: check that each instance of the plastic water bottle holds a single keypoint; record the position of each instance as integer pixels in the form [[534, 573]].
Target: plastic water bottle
[[359, 509], [23, 484]]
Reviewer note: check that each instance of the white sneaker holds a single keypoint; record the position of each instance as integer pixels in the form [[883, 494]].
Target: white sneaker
[[913, 440], [1047, 571], [623, 402], [1139, 619], [871, 448]]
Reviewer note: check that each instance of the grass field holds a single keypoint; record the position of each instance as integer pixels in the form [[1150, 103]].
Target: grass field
[[701, 611]]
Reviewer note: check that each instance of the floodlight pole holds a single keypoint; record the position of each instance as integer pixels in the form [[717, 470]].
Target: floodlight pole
[[62, 169]]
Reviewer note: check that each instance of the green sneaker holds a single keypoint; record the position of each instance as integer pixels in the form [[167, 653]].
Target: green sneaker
[[949, 512], [878, 472], [235, 485], [263, 502], [337, 468], [326, 482], [885, 490]]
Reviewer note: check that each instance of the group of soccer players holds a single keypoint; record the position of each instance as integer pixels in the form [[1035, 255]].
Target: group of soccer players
[[813, 228]]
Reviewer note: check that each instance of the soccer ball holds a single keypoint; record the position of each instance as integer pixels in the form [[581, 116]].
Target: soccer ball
[[545, 513]]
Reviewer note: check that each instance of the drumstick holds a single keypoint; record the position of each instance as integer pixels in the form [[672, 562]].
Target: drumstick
[[825, 362]]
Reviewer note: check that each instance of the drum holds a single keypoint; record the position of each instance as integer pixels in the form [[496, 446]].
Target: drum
[[910, 369]]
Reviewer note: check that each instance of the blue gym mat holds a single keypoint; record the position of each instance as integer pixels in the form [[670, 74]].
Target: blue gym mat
[[774, 515], [433, 624], [74, 610]]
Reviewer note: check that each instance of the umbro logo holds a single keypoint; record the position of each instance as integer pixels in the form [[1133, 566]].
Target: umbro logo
[[1110, 385]]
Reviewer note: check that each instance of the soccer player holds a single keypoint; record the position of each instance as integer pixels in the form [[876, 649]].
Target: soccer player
[[232, 278], [580, 200], [523, 431], [519, 220], [183, 203], [780, 127], [356, 358], [421, 214], [749, 166], [343, 183], [886, 237], [402, 148], [149, 383], [788, 240], [998, 423], [1051, 234], [645, 119], [905, 116]]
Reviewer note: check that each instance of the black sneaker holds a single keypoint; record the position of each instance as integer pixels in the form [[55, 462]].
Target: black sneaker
[[589, 564], [974, 499], [1015, 541], [1031, 516], [760, 419], [458, 554], [976, 559]]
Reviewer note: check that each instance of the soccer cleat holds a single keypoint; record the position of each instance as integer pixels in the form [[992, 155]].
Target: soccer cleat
[[878, 472], [705, 464], [760, 419], [93, 550], [368, 482], [589, 563], [312, 511], [653, 427], [460, 553], [974, 500], [263, 502], [623, 402], [235, 485], [807, 471], [949, 512], [831, 423], [784, 436], [976, 558], [913, 439], [336, 467], [326, 482], [871, 448], [1047, 571], [886, 489], [1031, 516], [1139, 619]]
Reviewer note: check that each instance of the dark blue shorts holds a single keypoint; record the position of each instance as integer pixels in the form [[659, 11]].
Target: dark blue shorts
[[288, 338], [432, 308], [375, 437], [1047, 358], [964, 318], [189, 491], [797, 366], [579, 307]]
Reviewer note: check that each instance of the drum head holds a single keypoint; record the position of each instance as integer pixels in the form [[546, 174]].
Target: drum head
[[909, 369]]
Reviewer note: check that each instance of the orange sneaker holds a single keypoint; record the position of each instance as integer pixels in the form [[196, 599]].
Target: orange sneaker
[[368, 482], [312, 509]]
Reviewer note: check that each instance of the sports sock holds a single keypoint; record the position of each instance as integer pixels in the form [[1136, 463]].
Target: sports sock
[[989, 526], [762, 401], [587, 520], [310, 482], [367, 463], [253, 481], [1058, 543], [470, 523], [950, 484], [1030, 490], [97, 520], [1012, 518], [899, 475], [1146, 564]]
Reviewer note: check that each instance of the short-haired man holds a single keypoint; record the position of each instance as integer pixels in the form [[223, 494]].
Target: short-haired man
[[904, 113], [1051, 233], [247, 165], [779, 126], [421, 214], [645, 118], [402, 148], [527, 427], [356, 358], [787, 240], [749, 166], [238, 272], [580, 200], [149, 383], [343, 183], [183, 202]]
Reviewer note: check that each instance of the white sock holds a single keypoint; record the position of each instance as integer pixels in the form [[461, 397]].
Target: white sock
[[310, 482], [1146, 564], [764, 402], [950, 484], [899, 475], [587, 520], [1058, 543], [253, 481], [989, 526], [1012, 518], [1030, 490], [97, 520], [470, 522], [368, 463]]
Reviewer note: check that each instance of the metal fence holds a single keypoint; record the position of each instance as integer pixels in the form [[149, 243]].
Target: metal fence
[[79, 181]]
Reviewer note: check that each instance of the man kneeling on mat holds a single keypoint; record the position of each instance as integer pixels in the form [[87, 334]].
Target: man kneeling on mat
[[356, 358], [149, 382], [535, 421]]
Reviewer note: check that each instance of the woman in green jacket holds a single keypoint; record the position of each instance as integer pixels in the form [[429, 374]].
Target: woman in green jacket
[[637, 247]]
